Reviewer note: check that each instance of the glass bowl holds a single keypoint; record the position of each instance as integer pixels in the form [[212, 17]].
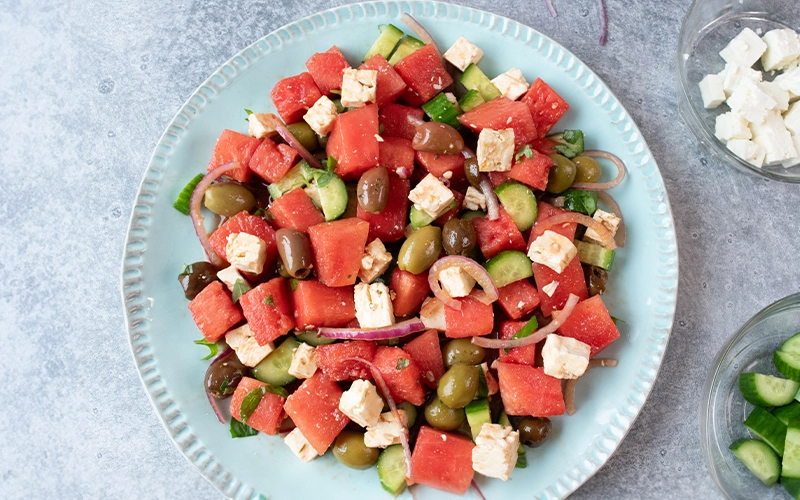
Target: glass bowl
[[708, 27], [723, 409]]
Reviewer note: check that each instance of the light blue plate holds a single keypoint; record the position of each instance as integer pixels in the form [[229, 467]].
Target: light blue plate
[[161, 240]]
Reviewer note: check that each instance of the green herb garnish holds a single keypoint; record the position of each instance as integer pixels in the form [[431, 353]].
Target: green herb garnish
[[239, 288], [260, 211], [525, 151], [526, 330], [293, 284], [522, 458], [185, 196], [401, 363], [212, 347], [187, 269], [570, 143], [268, 301], [240, 430], [334, 91], [223, 385], [577, 200]]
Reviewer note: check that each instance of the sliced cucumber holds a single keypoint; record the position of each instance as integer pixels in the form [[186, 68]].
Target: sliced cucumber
[[759, 458], [472, 99], [474, 78], [420, 219], [332, 196], [392, 469], [472, 214], [385, 43], [595, 255], [792, 344], [788, 363], [520, 203], [790, 470], [787, 413], [766, 390], [440, 109], [274, 369], [293, 179], [767, 427], [311, 338], [408, 45], [478, 413], [509, 266]]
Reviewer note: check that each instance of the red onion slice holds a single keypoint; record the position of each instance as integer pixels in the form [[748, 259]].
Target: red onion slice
[[292, 141], [214, 407], [197, 216], [612, 204], [398, 330], [550, 8], [492, 205], [478, 491], [605, 235], [469, 266], [378, 376], [536, 336], [602, 186], [420, 31], [569, 387], [603, 22]]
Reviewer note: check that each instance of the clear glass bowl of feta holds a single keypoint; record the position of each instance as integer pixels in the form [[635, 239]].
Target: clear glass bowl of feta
[[708, 29]]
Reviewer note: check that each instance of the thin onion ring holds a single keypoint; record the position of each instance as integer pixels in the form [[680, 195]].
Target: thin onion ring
[[469, 266], [602, 186], [551, 9], [574, 217], [478, 491], [603, 23], [569, 387], [536, 336], [197, 216], [395, 331], [492, 205], [612, 204], [292, 141], [420, 31]]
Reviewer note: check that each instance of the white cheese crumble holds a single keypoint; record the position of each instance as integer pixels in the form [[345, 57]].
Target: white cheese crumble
[[386, 432], [552, 250], [229, 275], [456, 282], [300, 446], [431, 196], [358, 87], [495, 150], [321, 116], [511, 84], [247, 349], [463, 53], [261, 125], [362, 403], [246, 252], [304, 361], [474, 199], [565, 357], [609, 220], [432, 314], [495, 451], [373, 305], [376, 261], [550, 288]]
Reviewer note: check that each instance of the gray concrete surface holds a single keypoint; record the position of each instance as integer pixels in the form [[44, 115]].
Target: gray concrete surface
[[87, 87]]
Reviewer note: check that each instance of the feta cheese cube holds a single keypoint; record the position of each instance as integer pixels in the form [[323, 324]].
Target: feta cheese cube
[[247, 349], [462, 53], [732, 126], [791, 119], [474, 199], [751, 102], [300, 446], [511, 84], [495, 150], [246, 252], [779, 95], [745, 49], [783, 47], [261, 125], [321, 116], [550, 288], [456, 282], [773, 136], [375, 261], [733, 74], [431, 196], [711, 91], [229, 275], [789, 81], [793, 161], [607, 219], [495, 451], [373, 305], [552, 250], [748, 151], [432, 314], [386, 432], [361, 403], [358, 87], [304, 361], [565, 357]]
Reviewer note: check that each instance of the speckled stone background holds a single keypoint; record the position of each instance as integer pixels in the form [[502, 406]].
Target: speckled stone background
[[87, 87]]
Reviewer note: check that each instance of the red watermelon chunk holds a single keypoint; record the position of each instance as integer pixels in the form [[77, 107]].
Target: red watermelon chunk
[[396, 153], [395, 120], [570, 281], [495, 236], [293, 96], [327, 69], [545, 211], [295, 210], [533, 171], [423, 73], [333, 360], [427, 354], [544, 145], [591, 323], [400, 373], [318, 305], [353, 142], [497, 178], [529, 391], [545, 105], [271, 161], [525, 355], [389, 86], [410, 290], [214, 312], [243, 222], [474, 319], [268, 310], [389, 225], [411, 98], [338, 248], [233, 146], [442, 460], [518, 298], [499, 114], [314, 408], [268, 414], [438, 165]]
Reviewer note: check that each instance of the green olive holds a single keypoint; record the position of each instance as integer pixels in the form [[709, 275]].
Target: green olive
[[588, 169], [458, 237], [228, 199], [442, 417], [196, 277], [533, 431], [562, 174], [305, 135], [458, 385], [420, 250], [462, 351], [472, 171], [349, 448]]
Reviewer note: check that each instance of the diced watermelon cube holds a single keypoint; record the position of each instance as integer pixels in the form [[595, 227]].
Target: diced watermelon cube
[[427, 354], [338, 248], [295, 210], [502, 113], [495, 236], [545, 105], [412, 98], [353, 142], [474, 319], [525, 355], [314, 408], [545, 211], [544, 145], [268, 414], [268, 310], [401, 374], [591, 323], [333, 360], [389, 225], [570, 281], [438, 165], [410, 291], [497, 178], [293, 96], [233, 146], [533, 171], [518, 298], [395, 120], [389, 85], [529, 391], [214, 312], [424, 73], [396, 153], [318, 305], [327, 69], [442, 460], [243, 222], [271, 161]]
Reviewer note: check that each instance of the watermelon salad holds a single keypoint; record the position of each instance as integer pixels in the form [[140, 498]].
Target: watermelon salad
[[407, 265]]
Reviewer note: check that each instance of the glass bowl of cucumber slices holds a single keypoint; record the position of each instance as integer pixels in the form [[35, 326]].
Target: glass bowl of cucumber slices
[[749, 415]]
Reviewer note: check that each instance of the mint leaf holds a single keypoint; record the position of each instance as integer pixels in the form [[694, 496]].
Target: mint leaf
[[248, 111], [570, 143], [240, 430], [239, 288], [522, 458], [293, 284], [617, 320], [268, 301], [223, 385], [577, 200], [213, 348], [401, 363], [250, 403], [525, 151], [260, 211], [330, 163], [187, 269], [334, 91], [324, 179]]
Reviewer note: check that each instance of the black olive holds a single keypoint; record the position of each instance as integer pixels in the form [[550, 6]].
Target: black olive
[[196, 277], [533, 431], [223, 376], [596, 279]]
